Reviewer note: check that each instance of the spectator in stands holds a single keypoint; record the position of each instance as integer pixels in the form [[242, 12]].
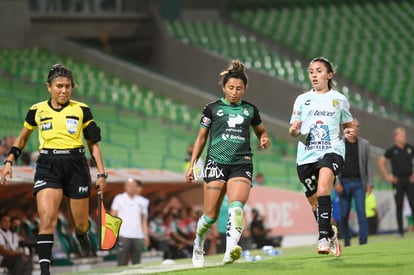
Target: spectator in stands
[[259, 232], [316, 119], [10, 256], [179, 246], [24, 243], [259, 179], [228, 168], [401, 156], [158, 237], [355, 180], [133, 210], [62, 153], [3, 151]]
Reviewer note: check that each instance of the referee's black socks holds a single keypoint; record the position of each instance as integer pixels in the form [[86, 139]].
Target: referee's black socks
[[44, 250]]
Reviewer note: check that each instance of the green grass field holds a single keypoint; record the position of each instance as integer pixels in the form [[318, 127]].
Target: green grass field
[[384, 254]]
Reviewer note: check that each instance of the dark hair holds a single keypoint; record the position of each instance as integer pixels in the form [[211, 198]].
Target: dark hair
[[237, 70], [60, 70], [329, 67]]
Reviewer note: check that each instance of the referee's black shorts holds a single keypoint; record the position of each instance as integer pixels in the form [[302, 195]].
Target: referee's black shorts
[[65, 169]]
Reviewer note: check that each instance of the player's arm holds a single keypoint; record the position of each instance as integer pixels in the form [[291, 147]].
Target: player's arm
[[144, 223], [348, 129], [262, 135], [382, 160], [198, 147], [16, 150], [294, 129]]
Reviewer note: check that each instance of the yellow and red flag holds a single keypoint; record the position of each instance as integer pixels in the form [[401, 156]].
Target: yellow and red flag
[[108, 227]]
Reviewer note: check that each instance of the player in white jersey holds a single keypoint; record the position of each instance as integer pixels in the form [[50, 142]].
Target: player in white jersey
[[317, 119]]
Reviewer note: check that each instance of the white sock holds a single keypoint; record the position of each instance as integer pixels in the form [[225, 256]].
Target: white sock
[[234, 225], [203, 226]]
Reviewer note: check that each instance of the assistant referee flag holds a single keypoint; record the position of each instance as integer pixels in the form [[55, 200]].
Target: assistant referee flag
[[109, 227]]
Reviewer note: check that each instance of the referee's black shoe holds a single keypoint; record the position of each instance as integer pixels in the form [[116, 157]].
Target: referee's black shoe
[[84, 244]]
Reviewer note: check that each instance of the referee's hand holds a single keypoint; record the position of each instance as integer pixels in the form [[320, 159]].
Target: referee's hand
[[7, 172], [100, 184]]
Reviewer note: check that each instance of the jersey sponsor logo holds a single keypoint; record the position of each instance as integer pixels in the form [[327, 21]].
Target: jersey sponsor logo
[[71, 125], [335, 166], [308, 102], [46, 126], [319, 137], [39, 183], [323, 113], [229, 136], [249, 174], [220, 112], [235, 120]]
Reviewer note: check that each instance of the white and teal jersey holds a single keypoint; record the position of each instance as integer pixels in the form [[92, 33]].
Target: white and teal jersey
[[321, 116]]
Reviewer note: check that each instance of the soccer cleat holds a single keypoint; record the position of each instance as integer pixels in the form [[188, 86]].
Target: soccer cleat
[[335, 245], [324, 246], [233, 256], [198, 257], [84, 244]]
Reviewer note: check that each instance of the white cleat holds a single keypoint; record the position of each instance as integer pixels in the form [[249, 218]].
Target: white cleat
[[198, 257], [233, 256], [324, 246]]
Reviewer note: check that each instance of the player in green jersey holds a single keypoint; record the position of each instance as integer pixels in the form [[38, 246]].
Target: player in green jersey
[[228, 167]]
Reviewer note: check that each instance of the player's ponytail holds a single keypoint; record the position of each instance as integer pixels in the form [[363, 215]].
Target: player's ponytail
[[235, 69]]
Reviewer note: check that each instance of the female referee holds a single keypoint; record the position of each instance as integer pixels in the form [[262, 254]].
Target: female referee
[[317, 116], [61, 168], [228, 167]]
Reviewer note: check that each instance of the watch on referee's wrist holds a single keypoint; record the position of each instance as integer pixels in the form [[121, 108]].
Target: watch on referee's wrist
[[102, 175]]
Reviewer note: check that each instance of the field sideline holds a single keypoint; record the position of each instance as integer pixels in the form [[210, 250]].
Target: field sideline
[[384, 254]]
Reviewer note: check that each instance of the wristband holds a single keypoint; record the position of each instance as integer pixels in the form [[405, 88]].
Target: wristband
[[8, 161], [102, 175], [15, 151]]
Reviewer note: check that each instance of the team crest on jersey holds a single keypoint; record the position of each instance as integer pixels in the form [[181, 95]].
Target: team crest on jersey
[[335, 103], [235, 120], [246, 112], [71, 125]]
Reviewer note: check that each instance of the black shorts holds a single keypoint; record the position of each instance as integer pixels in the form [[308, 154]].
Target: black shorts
[[309, 173], [223, 172], [68, 172]]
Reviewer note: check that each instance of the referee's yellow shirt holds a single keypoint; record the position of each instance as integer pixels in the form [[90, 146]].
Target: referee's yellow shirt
[[59, 129]]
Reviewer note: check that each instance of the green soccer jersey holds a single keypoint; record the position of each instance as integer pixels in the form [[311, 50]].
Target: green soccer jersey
[[229, 126]]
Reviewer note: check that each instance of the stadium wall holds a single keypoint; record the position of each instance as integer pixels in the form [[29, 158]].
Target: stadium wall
[[14, 23]]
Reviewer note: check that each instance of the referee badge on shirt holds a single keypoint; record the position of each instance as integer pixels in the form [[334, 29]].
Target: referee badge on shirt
[[72, 125]]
